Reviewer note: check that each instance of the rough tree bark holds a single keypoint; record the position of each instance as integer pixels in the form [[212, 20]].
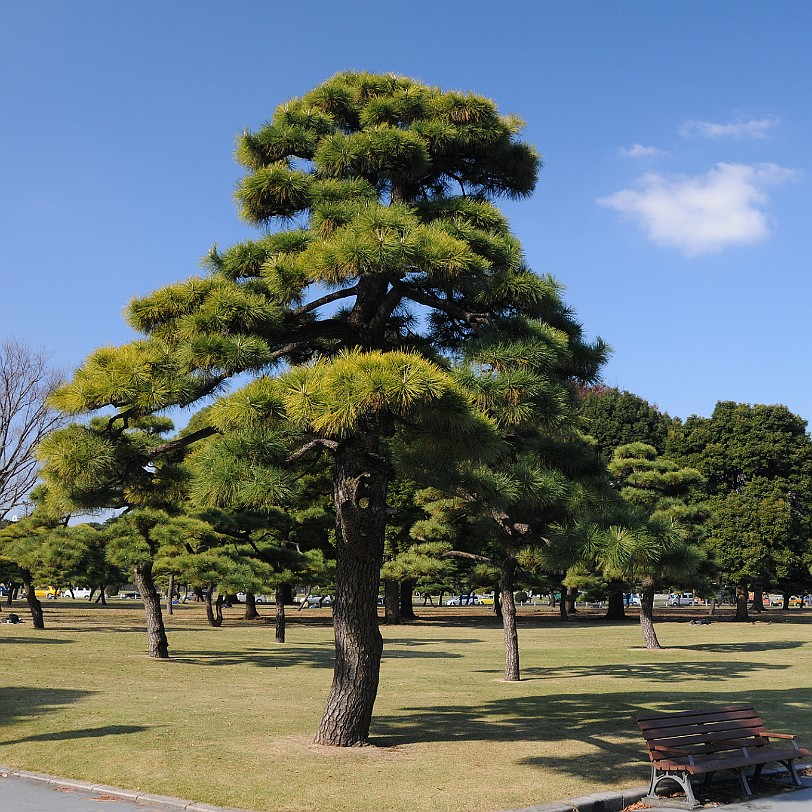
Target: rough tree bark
[[562, 604], [250, 606], [741, 603], [170, 593], [647, 614], [615, 610], [572, 597], [34, 605], [360, 486], [280, 613], [406, 606], [214, 612], [758, 599], [391, 602], [156, 633], [507, 572]]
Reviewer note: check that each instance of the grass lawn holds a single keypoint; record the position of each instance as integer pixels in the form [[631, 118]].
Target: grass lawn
[[230, 718]]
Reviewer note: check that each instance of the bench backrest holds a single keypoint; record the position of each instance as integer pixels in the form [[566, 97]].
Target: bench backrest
[[714, 730]]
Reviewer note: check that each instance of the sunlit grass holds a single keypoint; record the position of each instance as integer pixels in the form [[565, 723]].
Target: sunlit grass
[[230, 718]]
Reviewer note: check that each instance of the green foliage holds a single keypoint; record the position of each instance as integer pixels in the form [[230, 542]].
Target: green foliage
[[757, 461], [614, 418]]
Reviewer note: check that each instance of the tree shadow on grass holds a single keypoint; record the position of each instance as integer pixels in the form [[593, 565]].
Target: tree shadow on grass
[[667, 671], [743, 647], [427, 641], [290, 656], [88, 733], [20, 703], [285, 656], [591, 736], [35, 639]]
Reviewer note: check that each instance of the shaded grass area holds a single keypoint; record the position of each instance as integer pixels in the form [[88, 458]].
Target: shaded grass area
[[230, 718]]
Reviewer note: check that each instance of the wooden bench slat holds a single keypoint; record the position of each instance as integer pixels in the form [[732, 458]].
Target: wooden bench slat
[[736, 728], [732, 737], [680, 720], [698, 746], [714, 763], [642, 717]]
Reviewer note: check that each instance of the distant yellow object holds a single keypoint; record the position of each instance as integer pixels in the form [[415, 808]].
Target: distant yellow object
[[47, 592]]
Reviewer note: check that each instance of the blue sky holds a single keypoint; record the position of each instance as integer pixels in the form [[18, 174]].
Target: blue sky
[[674, 204]]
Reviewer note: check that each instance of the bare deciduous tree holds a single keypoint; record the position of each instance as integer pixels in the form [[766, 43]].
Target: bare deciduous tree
[[26, 381]]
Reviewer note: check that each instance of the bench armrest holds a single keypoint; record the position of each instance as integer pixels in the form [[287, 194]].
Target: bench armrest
[[778, 736]]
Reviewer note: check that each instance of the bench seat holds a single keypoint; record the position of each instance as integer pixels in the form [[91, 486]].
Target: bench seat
[[704, 742]]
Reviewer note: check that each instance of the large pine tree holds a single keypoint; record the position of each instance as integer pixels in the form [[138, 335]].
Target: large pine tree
[[381, 256]]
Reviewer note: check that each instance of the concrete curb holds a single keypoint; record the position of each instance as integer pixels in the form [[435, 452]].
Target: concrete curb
[[613, 801], [597, 802], [165, 801]]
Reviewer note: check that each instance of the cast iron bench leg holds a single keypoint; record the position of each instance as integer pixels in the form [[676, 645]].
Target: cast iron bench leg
[[683, 779], [743, 782]]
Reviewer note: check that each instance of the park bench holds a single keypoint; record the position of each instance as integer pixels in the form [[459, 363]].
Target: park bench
[[703, 742]]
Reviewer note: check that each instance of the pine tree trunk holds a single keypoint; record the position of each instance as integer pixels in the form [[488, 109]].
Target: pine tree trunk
[[497, 601], [360, 484], [214, 614], [406, 605], [741, 603], [562, 603], [391, 602], [280, 613], [250, 606], [647, 614], [615, 610], [758, 599], [507, 572], [572, 597], [170, 593], [33, 601], [102, 595], [156, 634]]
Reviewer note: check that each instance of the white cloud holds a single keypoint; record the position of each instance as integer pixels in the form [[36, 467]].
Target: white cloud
[[639, 151], [702, 214], [754, 128]]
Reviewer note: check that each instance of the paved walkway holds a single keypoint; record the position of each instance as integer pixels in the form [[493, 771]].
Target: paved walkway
[[34, 792], [799, 800]]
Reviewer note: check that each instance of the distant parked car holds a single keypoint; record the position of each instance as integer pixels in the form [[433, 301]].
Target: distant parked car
[[682, 599], [78, 592], [315, 602], [463, 600], [47, 592]]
